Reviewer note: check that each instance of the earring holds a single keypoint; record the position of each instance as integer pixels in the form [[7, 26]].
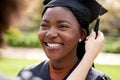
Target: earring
[[80, 40]]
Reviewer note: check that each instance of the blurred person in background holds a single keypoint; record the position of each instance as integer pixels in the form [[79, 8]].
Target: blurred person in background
[[12, 13]]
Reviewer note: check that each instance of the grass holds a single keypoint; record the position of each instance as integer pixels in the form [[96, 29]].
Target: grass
[[113, 71], [11, 67]]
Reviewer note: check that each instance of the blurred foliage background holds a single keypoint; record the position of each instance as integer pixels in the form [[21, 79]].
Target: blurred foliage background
[[25, 34]]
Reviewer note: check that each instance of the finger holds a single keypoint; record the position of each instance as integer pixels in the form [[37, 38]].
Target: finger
[[100, 35], [87, 37], [100, 39], [93, 34]]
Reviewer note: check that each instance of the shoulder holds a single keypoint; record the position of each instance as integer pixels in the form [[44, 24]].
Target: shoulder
[[39, 70], [95, 74], [36, 68]]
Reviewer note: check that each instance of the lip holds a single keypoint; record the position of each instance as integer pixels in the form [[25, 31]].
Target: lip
[[53, 45]]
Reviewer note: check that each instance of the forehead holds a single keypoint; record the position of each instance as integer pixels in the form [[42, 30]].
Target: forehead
[[61, 11], [59, 8], [56, 14]]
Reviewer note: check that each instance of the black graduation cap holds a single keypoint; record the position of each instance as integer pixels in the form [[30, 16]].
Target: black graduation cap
[[86, 11]]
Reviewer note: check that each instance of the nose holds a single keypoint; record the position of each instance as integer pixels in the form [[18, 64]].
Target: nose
[[51, 33]]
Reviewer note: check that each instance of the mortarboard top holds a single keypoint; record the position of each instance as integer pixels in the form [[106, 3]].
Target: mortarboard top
[[86, 11]]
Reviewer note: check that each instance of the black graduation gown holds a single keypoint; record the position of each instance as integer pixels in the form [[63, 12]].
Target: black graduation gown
[[41, 70]]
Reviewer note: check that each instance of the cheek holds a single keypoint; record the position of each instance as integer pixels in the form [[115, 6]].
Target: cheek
[[72, 40], [72, 37], [41, 35]]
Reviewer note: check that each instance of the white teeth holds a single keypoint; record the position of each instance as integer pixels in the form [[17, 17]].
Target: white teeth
[[53, 45]]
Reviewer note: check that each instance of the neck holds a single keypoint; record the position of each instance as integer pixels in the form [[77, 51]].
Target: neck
[[58, 71], [64, 63]]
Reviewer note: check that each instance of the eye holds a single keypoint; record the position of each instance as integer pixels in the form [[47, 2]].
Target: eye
[[43, 25], [63, 26]]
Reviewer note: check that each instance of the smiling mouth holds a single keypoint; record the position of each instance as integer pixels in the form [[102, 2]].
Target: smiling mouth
[[53, 45]]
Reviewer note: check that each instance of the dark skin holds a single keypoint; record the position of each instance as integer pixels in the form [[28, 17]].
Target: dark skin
[[59, 35]]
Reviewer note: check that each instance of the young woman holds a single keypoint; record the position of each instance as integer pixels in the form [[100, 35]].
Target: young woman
[[62, 34]]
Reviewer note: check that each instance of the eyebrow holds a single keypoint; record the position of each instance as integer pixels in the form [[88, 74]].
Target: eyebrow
[[44, 20], [59, 21]]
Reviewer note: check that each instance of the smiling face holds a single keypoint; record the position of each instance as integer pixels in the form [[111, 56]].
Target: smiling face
[[59, 33]]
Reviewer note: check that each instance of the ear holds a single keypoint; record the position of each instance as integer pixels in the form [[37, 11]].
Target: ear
[[83, 33]]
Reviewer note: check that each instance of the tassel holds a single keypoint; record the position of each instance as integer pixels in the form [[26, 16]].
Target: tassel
[[97, 26]]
